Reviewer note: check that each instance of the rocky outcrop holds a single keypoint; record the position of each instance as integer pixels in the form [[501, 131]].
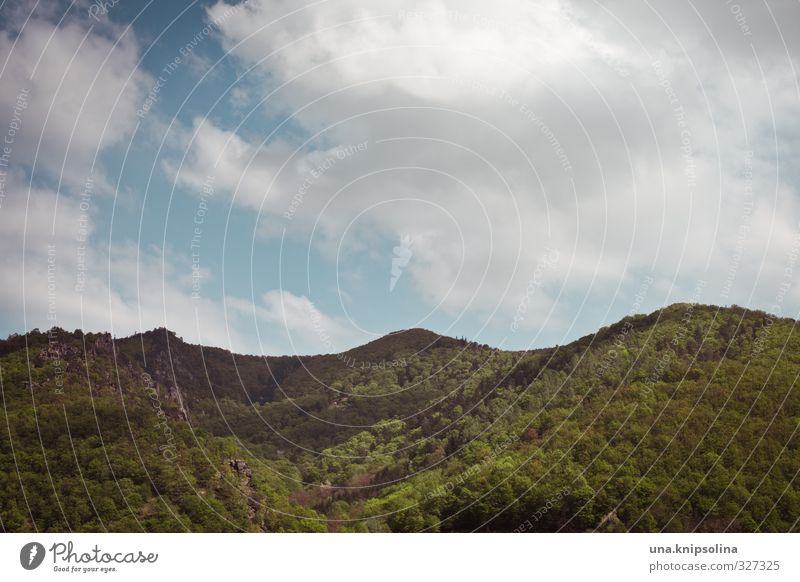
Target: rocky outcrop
[[608, 519], [242, 469], [245, 475], [103, 344], [162, 371]]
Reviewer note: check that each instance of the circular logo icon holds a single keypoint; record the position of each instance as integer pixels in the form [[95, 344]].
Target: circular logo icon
[[31, 555]]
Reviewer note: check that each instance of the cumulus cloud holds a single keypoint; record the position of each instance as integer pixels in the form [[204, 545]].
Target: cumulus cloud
[[294, 321], [630, 142], [55, 276], [611, 133], [71, 94], [84, 91], [237, 167]]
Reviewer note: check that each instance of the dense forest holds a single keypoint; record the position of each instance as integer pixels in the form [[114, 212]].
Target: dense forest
[[682, 420]]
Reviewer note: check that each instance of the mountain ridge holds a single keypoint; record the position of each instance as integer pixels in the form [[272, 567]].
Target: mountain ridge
[[683, 419], [158, 332]]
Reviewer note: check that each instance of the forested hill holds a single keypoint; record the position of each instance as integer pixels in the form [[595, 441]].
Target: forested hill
[[686, 419]]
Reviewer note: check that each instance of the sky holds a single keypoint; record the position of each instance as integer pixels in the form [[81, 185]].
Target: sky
[[278, 177]]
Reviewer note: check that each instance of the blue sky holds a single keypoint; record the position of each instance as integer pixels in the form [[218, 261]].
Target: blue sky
[[275, 177]]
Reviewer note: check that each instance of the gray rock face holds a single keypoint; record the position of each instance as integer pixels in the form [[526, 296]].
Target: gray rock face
[[246, 479]]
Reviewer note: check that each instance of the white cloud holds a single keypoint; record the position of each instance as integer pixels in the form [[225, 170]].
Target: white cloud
[[294, 325], [241, 169], [54, 276], [509, 96], [487, 132], [80, 95], [84, 91]]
